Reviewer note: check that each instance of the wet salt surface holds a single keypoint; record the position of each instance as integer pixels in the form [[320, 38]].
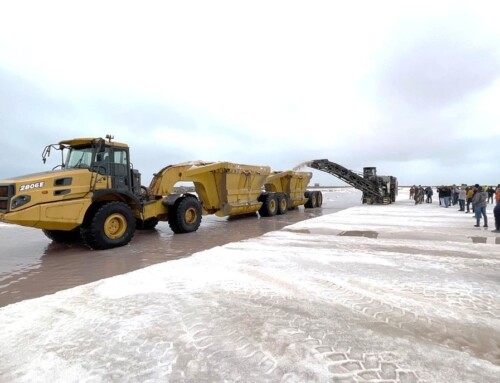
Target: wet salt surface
[[32, 266], [418, 302]]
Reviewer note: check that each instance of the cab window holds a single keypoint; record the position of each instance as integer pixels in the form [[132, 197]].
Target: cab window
[[120, 157], [79, 157]]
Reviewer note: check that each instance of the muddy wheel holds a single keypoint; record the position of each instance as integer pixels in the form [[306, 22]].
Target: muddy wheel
[[185, 215], [282, 204], [311, 199], [147, 224], [61, 236], [319, 199], [112, 225], [269, 206]]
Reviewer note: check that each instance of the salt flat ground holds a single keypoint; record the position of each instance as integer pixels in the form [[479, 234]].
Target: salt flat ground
[[398, 293]]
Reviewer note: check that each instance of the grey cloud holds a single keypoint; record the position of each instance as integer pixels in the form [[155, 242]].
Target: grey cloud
[[134, 112], [438, 67], [33, 115]]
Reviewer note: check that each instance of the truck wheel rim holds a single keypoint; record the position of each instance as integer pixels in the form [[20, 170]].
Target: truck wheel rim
[[190, 216], [283, 204], [272, 205], [115, 226]]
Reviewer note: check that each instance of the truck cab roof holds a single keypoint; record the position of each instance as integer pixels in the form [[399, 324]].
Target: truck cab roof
[[89, 141]]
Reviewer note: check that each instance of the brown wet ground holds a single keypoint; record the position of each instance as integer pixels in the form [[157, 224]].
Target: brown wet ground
[[32, 266]]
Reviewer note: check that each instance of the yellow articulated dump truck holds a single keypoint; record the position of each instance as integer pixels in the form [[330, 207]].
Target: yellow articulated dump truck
[[96, 195]]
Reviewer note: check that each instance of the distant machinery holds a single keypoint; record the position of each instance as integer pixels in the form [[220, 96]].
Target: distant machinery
[[376, 189]]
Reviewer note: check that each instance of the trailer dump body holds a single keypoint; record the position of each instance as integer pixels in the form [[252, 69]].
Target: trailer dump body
[[224, 188], [293, 184]]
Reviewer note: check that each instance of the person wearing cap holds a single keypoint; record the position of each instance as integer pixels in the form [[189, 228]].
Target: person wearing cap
[[479, 202]]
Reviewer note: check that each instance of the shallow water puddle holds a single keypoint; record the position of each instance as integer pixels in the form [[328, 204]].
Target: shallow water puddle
[[359, 233], [485, 240]]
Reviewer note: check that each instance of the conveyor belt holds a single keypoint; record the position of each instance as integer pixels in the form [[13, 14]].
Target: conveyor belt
[[347, 176]]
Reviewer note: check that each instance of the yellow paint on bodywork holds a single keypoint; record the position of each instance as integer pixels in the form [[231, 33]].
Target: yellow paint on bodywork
[[63, 215], [224, 188], [293, 184], [155, 209], [89, 141], [54, 206]]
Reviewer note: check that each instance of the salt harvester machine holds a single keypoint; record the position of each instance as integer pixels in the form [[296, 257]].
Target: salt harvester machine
[[376, 189]]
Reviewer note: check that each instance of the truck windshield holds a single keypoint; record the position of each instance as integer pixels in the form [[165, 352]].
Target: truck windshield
[[79, 157]]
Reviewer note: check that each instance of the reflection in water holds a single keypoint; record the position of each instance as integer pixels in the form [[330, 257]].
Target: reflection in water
[[358, 233], [478, 239], [32, 266], [484, 240], [301, 231]]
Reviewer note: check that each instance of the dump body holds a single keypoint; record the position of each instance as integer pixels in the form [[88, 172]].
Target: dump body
[[224, 188], [291, 183]]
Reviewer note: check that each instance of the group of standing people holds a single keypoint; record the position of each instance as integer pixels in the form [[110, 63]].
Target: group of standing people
[[421, 194], [474, 198]]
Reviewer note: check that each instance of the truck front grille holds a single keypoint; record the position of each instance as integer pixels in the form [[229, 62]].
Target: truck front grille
[[6, 190], [6, 193]]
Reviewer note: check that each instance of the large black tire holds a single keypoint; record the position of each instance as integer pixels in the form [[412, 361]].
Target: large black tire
[[147, 224], [112, 225], [269, 206], [319, 198], [282, 204], [61, 236], [311, 199], [185, 215]]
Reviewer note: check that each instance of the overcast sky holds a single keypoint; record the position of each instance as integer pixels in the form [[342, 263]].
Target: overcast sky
[[412, 88]]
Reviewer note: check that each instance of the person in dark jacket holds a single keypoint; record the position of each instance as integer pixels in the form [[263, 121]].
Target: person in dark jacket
[[496, 210], [491, 194], [446, 195], [454, 194]]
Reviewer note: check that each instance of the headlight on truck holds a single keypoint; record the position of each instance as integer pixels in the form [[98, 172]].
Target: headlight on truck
[[20, 201]]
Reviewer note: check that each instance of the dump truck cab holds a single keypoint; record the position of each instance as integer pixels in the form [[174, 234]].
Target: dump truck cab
[[107, 159], [94, 175]]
